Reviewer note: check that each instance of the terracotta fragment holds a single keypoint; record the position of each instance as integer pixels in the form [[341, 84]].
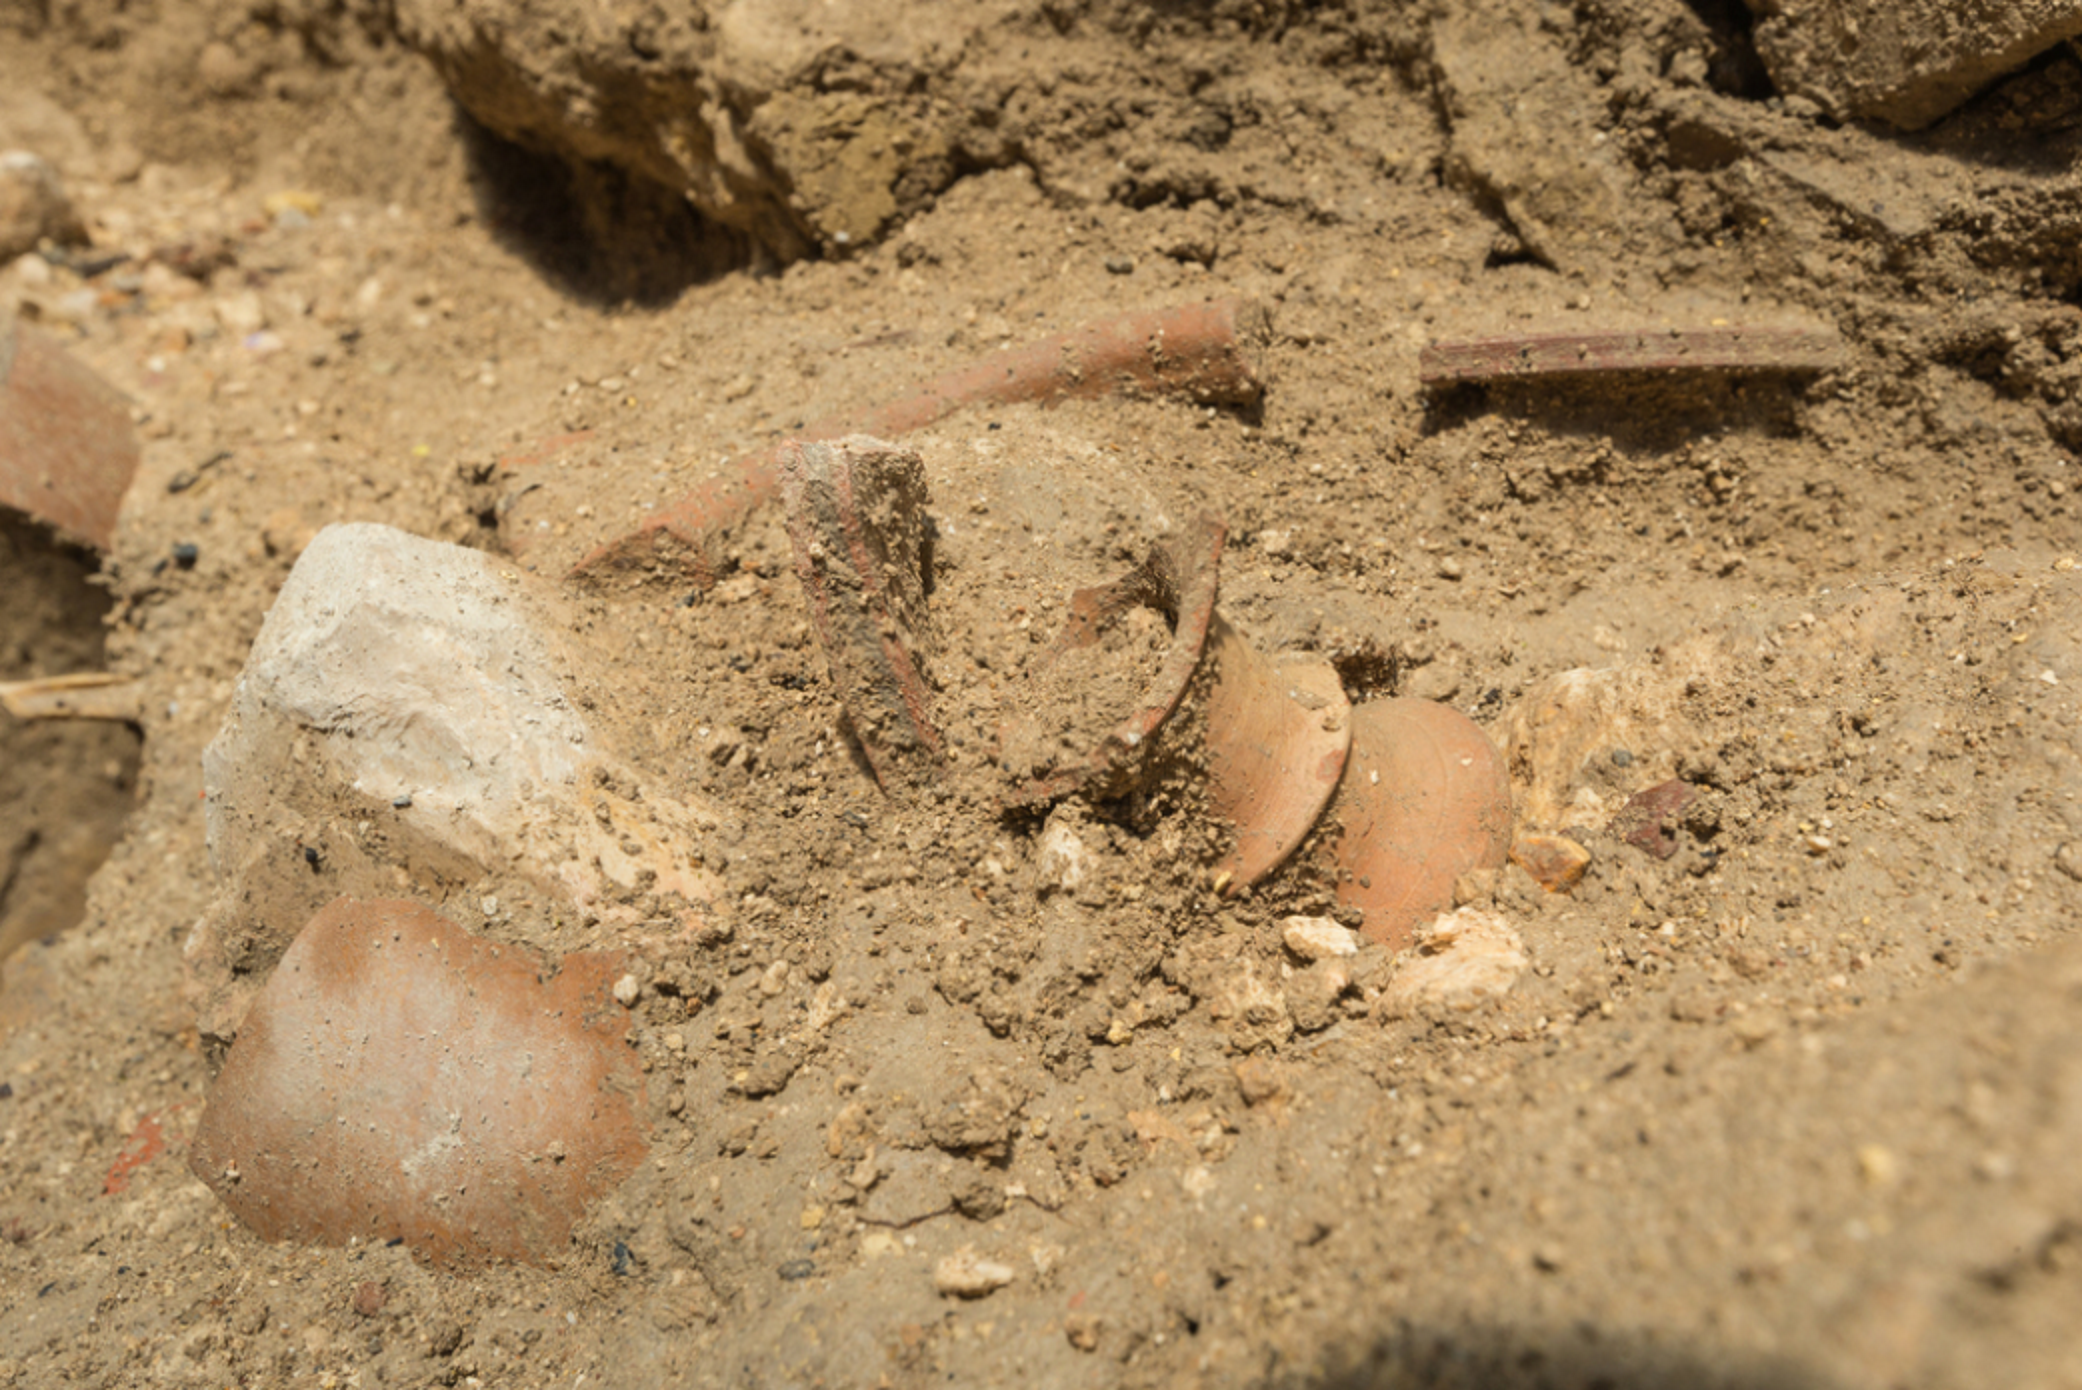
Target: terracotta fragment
[[1277, 741], [1649, 816], [67, 449], [857, 518], [1424, 800], [1209, 353], [399, 1077]]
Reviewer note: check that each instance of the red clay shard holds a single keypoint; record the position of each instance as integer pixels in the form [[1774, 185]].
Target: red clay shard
[[1277, 741], [1180, 579], [399, 1077], [1208, 353], [1723, 347], [67, 449], [1648, 818], [857, 519], [1424, 800]]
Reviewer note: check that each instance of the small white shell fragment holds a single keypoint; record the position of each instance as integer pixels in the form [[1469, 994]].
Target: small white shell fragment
[[965, 1274], [1318, 938]]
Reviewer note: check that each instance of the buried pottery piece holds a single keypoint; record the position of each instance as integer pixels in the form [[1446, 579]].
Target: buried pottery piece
[[1277, 741], [400, 1078], [1209, 354], [857, 519], [1423, 801], [67, 447], [1274, 738], [1178, 581]]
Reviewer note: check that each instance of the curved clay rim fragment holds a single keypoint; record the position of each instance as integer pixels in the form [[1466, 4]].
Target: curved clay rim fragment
[[67, 449], [857, 520], [1424, 800], [1277, 739], [1179, 580], [1276, 736], [1206, 353], [399, 1077]]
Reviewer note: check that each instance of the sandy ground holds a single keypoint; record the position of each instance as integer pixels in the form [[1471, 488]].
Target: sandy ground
[[1793, 1105]]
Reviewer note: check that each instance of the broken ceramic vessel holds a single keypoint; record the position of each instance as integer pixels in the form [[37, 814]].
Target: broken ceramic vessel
[[401, 1078]]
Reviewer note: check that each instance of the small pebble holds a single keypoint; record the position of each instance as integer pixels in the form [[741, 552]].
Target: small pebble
[[186, 553], [1260, 1080], [965, 1274], [1449, 568], [1062, 863], [1120, 265], [1318, 938], [401, 800], [626, 990], [33, 205], [369, 1298], [1555, 862], [2068, 859]]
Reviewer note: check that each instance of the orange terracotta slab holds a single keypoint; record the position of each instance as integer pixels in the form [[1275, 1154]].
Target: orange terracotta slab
[[1277, 739], [67, 448], [399, 1077], [1424, 800]]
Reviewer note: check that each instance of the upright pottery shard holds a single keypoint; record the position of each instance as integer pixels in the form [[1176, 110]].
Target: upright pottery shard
[[1273, 737], [400, 1078], [857, 519], [67, 449], [1424, 800]]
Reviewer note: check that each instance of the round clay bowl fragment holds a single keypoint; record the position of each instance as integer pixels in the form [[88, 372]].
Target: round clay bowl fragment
[[1424, 800], [1277, 740], [401, 1078], [67, 447]]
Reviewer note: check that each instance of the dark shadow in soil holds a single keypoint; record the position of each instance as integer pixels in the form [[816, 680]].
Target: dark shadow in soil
[[1732, 65], [66, 786], [597, 232], [1645, 413], [1582, 1358], [2029, 123]]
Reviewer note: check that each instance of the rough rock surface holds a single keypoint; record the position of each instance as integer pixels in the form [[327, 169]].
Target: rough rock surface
[[1467, 958], [1580, 742], [784, 125], [411, 684], [1522, 136], [1906, 62]]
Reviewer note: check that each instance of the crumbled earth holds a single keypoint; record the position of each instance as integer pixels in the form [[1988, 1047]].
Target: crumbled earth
[[1785, 1090]]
